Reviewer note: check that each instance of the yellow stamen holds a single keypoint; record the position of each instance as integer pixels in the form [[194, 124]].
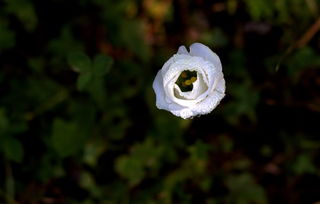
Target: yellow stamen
[[188, 82], [193, 79], [183, 75]]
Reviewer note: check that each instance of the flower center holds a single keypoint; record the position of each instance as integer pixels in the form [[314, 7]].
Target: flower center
[[186, 79]]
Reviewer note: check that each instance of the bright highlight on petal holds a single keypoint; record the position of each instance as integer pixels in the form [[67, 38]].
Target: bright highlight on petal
[[190, 83]]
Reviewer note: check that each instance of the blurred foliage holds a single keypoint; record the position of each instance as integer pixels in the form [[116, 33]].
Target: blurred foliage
[[78, 122]]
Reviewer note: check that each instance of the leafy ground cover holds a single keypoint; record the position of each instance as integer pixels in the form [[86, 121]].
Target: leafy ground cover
[[78, 121]]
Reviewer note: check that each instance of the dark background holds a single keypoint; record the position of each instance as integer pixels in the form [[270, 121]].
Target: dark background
[[78, 121]]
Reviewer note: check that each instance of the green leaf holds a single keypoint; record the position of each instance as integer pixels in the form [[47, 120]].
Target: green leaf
[[130, 168], [13, 149], [83, 81], [244, 189], [301, 60], [92, 151], [303, 164], [63, 45], [102, 65], [3, 120], [7, 38], [259, 8], [66, 138], [199, 151], [79, 62], [24, 11]]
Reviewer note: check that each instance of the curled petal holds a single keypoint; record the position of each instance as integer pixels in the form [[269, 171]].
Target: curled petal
[[200, 50], [211, 102], [183, 50]]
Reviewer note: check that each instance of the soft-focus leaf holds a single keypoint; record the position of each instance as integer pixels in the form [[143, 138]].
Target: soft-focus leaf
[[79, 62], [303, 164], [244, 190], [84, 80], [64, 45], [259, 8], [66, 138], [7, 37], [101, 65], [130, 168], [96, 136], [3, 120], [24, 11], [12, 149], [303, 59]]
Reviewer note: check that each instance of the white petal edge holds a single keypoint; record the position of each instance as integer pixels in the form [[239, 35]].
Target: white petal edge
[[159, 91], [210, 103], [161, 102], [200, 50], [205, 106], [183, 50]]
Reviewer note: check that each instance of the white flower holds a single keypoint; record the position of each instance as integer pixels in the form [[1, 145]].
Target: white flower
[[206, 87]]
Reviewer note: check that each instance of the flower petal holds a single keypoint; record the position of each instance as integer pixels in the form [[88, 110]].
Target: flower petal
[[200, 50], [184, 113], [183, 50], [162, 101], [221, 86], [207, 105], [159, 91], [172, 60]]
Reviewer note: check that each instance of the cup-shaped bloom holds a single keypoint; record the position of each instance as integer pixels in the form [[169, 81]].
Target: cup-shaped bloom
[[203, 91]]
